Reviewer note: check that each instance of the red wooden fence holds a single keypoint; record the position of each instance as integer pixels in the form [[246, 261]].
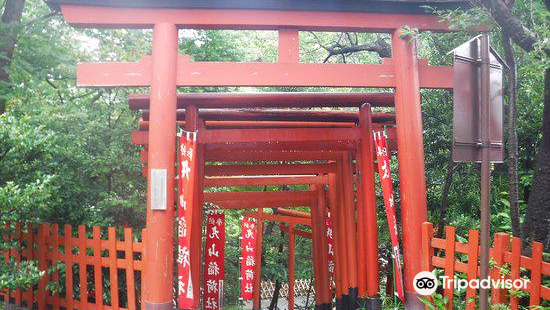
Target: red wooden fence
[[111, 261], [456, 257]]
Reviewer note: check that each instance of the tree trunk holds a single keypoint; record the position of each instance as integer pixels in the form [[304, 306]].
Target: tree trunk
[[537, 220], [512, 146], [277, 290], [11, 17], [451, 167], [275, 298]]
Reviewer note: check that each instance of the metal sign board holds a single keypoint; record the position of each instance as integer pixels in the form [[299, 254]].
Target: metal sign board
[[158, 189], [466, 107]]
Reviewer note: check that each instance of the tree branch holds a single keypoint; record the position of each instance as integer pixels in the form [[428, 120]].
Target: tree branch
[[508, 21], [380, 46], [41, 18]]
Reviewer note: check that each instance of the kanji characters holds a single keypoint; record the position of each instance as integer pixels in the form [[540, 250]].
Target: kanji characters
[[183, 255]]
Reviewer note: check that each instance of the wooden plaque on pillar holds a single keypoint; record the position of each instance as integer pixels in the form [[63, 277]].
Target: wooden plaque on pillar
[[466, 107]]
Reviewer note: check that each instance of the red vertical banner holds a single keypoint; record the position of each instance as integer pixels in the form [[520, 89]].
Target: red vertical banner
[[330, 243], [248, 261], [382, 157], [186, 191], [214, 270]]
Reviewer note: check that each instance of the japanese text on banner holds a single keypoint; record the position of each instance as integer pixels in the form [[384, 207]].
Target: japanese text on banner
[[214, 261], [186, 192], [382, 156], [248, 250]]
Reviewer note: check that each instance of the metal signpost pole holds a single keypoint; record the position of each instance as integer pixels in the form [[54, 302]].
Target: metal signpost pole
[[485, 168]]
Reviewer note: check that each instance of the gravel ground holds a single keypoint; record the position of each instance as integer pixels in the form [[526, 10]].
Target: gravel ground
[[282, 303]]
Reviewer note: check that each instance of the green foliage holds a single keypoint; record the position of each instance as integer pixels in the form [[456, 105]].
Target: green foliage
[[436, 301], [16, 275]]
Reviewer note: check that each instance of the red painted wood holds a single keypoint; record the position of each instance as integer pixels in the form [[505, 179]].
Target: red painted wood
[[339, 226], [322, 147], [81, 259], [110, 17], [289, 45], [536, 274], [225, 155], [53, 248], [98, 275], [43, 232], [279, 135], [30, 255], [515, 269], [17, 254], [158, 276], [268, 169], [450, 239], [367, 184], [286, 146], [130, 279], [241, 200], [349, 215], [427, 249], [69, 290], [274, 124], [411, 160], [501, 245], [317, 250], [113, 268], [278, 218], [190, 73], [263, 181], [473, 254], [321, 220], [361, 230], [144, 125], [333, 205], [270, 99], [293, 213], [55, 258], [298, 232], [291, 245]]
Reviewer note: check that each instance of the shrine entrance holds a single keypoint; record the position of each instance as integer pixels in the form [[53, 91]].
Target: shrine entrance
[[278, 139]]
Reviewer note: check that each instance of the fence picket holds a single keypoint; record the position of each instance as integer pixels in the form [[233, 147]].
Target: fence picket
[[113, 269], [16, 254], [55, 260], [29, 256], [98, 275], [501, 245], [427, 249], [536, 276], [129, 257], [42, 249], [473, 252], [450, 263], [49, 252], [68, 232], [82, 267], [45, 256], [515, 269], [500, 254]]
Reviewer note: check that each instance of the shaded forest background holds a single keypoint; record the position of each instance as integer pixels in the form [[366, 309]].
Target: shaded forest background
[[66, 154]]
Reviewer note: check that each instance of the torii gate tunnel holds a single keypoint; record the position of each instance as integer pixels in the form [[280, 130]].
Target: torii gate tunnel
[[332, 151]]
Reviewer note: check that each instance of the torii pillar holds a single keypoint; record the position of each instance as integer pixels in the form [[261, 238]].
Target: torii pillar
[[410, 146], [159, 248]]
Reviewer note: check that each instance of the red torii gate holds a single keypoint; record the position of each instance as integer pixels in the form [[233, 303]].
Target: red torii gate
[[164, 70]]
